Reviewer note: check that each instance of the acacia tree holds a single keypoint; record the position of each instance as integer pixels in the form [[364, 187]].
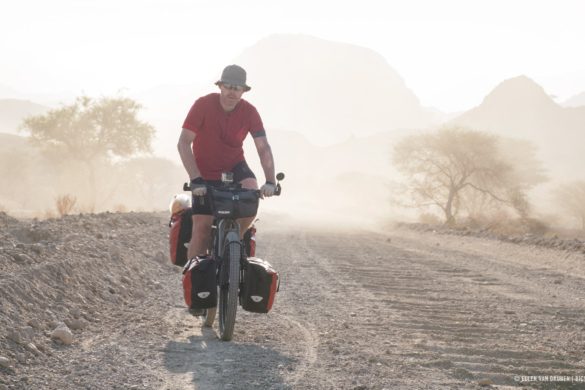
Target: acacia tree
[[447, 167], [571, 198], [91, 131]]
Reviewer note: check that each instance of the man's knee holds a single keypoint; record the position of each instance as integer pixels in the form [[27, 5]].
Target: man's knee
[[202, 223]]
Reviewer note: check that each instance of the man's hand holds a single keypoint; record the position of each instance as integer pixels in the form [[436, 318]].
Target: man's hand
[[198, 187], [268, 189]]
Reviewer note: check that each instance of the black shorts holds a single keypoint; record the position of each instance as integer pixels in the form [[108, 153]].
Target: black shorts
[[202, 204]]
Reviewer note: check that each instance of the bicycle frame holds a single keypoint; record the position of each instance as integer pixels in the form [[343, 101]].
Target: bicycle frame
[[226, 233]]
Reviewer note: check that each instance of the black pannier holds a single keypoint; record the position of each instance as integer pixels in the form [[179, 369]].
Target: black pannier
[[234, 204], [261, 284], [200, 283]]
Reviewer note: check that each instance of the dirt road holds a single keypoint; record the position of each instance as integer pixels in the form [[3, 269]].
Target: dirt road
[[356, 310]]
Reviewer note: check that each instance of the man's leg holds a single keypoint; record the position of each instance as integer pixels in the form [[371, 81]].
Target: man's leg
[[245, 223], [200, 236]]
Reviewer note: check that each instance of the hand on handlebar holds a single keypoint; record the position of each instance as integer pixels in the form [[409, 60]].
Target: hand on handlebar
[[268, 189], [198, 187]]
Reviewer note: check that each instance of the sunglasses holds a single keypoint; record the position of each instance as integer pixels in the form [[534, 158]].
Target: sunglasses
[[233, 87]]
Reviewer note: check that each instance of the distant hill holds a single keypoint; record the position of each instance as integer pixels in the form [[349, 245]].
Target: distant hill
[[7, 92], [520, 108], [10, 142], [328, 90], [575, 101], [13, 111]]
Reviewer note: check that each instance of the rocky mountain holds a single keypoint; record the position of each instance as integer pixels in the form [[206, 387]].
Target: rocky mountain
[[328, 90], [520, 108], [13, 111]]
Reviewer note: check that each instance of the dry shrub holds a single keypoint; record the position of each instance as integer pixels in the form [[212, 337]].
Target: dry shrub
[[120, 208], [65, 204], [504, 223]]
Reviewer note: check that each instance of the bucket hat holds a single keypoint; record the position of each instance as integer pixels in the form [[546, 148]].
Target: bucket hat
[[235, 75]]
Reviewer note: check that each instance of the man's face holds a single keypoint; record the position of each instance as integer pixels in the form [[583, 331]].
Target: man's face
[[230, 95]]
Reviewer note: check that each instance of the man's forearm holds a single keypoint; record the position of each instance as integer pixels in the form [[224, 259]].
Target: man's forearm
[[267, 161], [188, 160]]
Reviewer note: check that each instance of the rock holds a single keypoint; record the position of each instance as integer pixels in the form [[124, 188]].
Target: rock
[[5, 362], [75, 312], [63, 334], [485, 382], [76, 324], [35, 323], [32, 348], [23, 258]]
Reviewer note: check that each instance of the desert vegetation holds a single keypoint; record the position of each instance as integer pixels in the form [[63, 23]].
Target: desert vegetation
[[88, 156], [468, 176]]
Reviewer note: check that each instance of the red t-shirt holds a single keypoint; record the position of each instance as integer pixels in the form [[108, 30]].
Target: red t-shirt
[[220, 135]]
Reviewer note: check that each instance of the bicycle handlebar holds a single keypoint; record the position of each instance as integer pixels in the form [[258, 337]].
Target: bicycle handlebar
[[280, 176]]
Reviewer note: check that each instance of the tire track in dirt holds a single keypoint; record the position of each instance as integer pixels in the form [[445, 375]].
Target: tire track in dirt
[[466, 322]]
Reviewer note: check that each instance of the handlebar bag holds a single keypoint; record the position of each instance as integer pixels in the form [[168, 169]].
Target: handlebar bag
[[181, 226], [200, 283], [234, 204], [261, 283]]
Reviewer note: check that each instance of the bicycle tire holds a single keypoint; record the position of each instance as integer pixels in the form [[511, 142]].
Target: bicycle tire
[[228, 294]]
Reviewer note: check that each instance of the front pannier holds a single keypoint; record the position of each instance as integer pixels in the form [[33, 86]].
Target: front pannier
[[260, 286], [200, 283], [234, 204]]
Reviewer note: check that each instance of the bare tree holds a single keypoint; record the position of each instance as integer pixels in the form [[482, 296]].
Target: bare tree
[[450, 167], [571, 198]]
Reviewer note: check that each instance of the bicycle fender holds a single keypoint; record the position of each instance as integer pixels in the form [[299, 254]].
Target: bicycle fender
[[232, 236]]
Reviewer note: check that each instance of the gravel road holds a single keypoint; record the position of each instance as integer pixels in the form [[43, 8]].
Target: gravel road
[[357, 309]]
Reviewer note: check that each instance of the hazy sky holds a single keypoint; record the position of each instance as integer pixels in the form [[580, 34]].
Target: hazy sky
[[450, 53]]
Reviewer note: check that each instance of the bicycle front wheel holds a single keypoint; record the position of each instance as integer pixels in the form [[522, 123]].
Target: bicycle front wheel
[[228, 291]]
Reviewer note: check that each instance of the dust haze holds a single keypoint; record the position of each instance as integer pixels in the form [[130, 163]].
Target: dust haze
[[333, 112]]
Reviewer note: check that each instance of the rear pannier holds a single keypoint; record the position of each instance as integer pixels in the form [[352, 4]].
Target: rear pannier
[[260, 286], [181, 226]]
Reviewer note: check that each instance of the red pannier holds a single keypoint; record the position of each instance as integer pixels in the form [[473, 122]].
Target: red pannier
[[181, 226], [250, 241], [200, 283], [261, 283]]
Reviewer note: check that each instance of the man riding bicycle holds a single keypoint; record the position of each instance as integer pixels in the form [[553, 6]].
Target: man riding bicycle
[[211, 143]]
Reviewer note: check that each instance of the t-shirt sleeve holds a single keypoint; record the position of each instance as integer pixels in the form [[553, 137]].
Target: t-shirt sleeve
[[195, 117], [256, 125]]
